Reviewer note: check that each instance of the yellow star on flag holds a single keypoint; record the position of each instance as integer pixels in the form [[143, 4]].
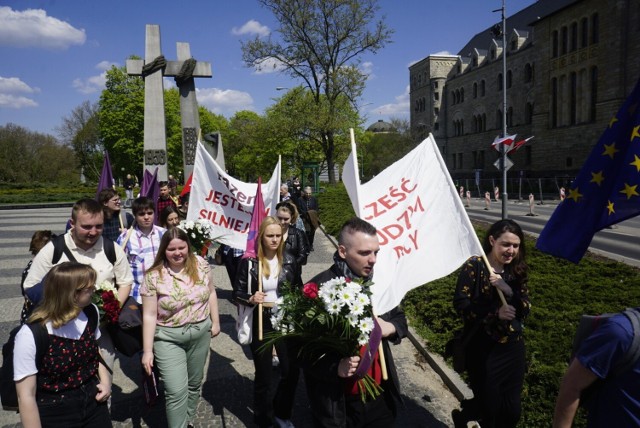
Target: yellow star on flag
[[612, 121], [574, 194], [610, 207], [610, 150], [597, 177], [630, 190], [635, 133], [636, 162]]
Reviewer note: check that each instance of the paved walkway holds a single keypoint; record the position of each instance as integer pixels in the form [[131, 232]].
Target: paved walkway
[[228, 389]]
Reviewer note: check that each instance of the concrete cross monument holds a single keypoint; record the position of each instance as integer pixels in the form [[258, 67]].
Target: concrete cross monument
[[153, 69]]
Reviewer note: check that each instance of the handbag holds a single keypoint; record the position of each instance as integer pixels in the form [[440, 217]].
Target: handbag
[[244, 322], [127, 333], [456, 348]]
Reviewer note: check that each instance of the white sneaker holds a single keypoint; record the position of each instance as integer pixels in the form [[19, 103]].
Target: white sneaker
[[275, 362], [283, 423]]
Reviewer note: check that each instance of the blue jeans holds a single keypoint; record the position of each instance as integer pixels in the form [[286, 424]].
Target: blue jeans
[[73, 409]]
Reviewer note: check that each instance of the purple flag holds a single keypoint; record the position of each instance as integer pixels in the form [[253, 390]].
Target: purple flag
[[370, 351], [106, 176], [150, 187], [254, 227]]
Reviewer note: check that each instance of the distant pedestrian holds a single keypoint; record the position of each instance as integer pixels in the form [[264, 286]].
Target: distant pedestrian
[[309, 211], [164, 199], [129, 184], [173, 185]]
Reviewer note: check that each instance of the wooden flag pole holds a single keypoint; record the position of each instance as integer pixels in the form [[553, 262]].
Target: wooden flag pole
[[120, 218], [260, 304], [500, 293]]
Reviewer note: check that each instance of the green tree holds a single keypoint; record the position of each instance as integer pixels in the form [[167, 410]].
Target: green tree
[[80, 131], [379, 150], [321, 44], [121, 119]]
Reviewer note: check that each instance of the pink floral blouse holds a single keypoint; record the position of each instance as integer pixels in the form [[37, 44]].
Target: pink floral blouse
[[180, 301]]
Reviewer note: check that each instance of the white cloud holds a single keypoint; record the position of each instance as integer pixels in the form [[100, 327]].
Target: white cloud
[[251, 27], [96, 83], [13, 85], [268, 66], [33, 28], [443, 53], [399, 108], [16, 102], [224, 101], [367, 69]]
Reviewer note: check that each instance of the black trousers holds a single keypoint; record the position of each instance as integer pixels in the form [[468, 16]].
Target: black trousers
[[496, 375], [372, 414], [76, 408], [280, 406]]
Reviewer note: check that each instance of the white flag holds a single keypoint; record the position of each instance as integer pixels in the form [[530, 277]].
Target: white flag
[[227, 202], [423, 228]]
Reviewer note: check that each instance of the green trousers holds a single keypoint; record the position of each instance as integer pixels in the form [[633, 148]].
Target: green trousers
[[180, 354]]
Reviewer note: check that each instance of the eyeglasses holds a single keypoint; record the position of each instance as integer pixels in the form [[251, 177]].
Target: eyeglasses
[[115, 201]]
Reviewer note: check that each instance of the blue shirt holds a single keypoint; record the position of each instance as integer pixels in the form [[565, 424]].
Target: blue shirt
[[618, 402]]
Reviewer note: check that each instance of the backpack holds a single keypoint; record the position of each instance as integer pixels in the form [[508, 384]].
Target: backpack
[[587, 325], [34, 294], [8, 393]]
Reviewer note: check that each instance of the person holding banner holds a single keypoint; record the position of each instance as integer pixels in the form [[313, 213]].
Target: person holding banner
[[332, 388], [495, 353], [273, 268], [115, 220]]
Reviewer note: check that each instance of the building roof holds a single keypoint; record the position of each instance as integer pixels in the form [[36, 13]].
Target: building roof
[[521, 20], [381, 126]]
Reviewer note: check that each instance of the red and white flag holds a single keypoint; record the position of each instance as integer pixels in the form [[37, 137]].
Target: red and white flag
[[507, 141], [423, 228], [519, 144]]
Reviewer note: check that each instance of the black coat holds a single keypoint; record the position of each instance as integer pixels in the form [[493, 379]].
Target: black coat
[[297, 245], [288, 273], [326, 388]]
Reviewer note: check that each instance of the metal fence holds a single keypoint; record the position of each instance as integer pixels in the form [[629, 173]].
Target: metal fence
[[549, 188]]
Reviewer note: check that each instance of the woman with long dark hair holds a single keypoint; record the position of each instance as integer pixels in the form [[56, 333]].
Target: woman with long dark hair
[[115, 220], [180, 316], [495, 357], [276, 268]]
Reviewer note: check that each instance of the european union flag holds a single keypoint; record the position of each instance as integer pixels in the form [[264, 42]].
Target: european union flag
[[606, 190]]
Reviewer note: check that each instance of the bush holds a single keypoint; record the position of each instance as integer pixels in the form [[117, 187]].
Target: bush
[[20, 193], [335, 208]]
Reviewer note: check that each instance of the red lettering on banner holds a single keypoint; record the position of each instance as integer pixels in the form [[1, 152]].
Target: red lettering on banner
[[401, 250], [406, 216], [390, 200], [230, 223]]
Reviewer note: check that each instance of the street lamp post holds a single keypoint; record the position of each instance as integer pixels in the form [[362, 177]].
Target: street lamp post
[[503, 148]]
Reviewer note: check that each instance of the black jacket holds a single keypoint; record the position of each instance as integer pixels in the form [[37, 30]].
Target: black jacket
[[289, 273], [297, 245], [324, 386]]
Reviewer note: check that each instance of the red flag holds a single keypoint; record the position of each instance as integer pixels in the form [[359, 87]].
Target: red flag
[[257, 216], [507, 141], [187, 186], [519, 144]]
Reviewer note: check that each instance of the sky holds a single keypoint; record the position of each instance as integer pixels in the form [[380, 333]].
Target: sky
[[54, 53]]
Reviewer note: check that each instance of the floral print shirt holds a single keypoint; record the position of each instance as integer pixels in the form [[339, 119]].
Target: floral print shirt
[[476, 300], [180, 300]]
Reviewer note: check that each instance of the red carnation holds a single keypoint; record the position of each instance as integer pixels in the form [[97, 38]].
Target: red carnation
[[310, 290]]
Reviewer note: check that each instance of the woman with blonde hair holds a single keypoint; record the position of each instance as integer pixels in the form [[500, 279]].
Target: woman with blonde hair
[[180, 316], [71, 382], [275, 268]]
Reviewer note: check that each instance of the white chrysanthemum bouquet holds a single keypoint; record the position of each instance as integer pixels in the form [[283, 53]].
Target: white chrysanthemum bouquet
[[200, 235], [334, 317]]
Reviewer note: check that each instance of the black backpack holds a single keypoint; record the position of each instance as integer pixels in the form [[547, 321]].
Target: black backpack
[[8, 393], [588, 324]]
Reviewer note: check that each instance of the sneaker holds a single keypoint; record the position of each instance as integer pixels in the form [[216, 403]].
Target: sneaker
[[283, 423], [275, 361]]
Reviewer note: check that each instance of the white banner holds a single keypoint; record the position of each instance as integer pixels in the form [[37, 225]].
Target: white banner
[[423, 228], [227, 202]]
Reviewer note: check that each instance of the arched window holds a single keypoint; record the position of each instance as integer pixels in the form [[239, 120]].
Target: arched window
[[461, 126], [573, 98], [510, 116], [482, 86], [475, 90], [565, 41], [574, 36], [584, 32], [528, 73], [462, 95], [499, 119], [554, 102], [595, 29], [554, 44], [594, 93], [528, 113]]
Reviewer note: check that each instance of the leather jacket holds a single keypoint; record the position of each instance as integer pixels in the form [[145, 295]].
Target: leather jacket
[[297, 245], [241, 294]]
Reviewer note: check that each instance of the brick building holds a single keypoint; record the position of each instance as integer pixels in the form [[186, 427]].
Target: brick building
[[570, 65]]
